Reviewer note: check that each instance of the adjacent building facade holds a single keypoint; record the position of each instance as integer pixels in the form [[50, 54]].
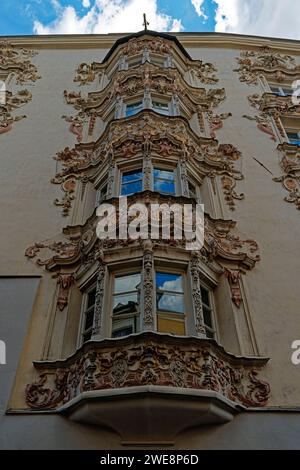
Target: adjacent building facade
[[130, 343]]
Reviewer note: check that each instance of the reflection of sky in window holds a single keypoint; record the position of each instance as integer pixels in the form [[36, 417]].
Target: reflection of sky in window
[[168, 281], [131, 188], [127, 283], [164, 174], [132, 109], [124, 289], [164, 181], [132, 182], [171, 302], [131, 176]]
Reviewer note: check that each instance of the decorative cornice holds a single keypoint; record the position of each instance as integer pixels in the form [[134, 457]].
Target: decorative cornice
[[188, 40]]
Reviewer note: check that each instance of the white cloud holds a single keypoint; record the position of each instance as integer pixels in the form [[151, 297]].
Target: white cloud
[[109, 16], [198, 7], [86, 3], [274, 18]]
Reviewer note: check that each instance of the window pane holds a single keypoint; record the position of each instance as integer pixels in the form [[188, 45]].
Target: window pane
[[163, 186], [169, 282], [127, 283], [131, 176], [124, 303], [205, 296], [170, 302], [192, 190], [131, 188], [163, 174], [132, 109], [91, 298], [87, 336], [210, 334], [207, 317], [122, 332], [89, 319]]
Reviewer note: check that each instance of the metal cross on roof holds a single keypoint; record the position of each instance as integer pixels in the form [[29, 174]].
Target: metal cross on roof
[[145, 22]]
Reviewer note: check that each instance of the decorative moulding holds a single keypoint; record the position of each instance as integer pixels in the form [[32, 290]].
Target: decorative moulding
[[147, 375]]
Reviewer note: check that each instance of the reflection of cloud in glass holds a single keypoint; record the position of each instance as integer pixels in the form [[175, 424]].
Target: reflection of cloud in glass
[[127, 283], [163, 186], [169, 302], [163, 174], [131, 188], [170, 282]]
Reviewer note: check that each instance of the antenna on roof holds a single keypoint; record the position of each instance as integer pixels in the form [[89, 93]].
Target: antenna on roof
[[145, 22]]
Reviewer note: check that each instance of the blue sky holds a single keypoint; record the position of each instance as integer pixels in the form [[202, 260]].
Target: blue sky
[[275, 18]]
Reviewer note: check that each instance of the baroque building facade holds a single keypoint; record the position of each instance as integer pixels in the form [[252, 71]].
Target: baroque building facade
[[123, 343]]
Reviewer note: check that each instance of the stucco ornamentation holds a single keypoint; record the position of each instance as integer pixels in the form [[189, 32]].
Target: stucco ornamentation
[[188, 363], [290, 165], [15, 64], [234, 276], [64, 281], [267, 62], [17, 61], [149, 134]]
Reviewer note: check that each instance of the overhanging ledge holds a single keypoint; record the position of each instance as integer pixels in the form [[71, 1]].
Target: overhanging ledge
[[150, 412]]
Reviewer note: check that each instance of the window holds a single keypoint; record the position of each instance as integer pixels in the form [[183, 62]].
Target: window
[[192, 190], [88, 315], [131, 182], [126, 298], [170, 303], [207, 313], [294, 137], [281, 90], [161, 108], [134, 108], [101, 194], [163, 181]]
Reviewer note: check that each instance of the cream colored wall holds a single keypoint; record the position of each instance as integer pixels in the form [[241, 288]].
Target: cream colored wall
[[29, 215]]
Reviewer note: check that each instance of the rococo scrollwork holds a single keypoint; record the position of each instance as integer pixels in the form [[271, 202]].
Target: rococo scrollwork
[[149, 359], [15, 66], [266, 62]]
